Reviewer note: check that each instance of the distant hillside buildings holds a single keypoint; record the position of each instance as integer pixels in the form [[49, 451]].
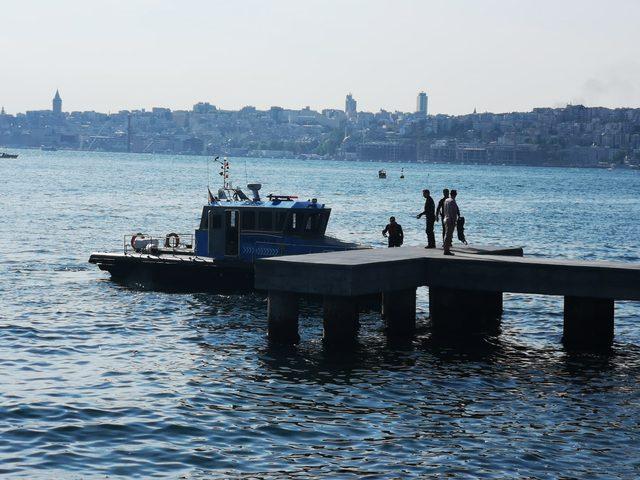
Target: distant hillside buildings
[[574, 135]]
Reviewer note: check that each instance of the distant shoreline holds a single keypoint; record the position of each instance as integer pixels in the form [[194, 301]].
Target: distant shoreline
[[337, 159]]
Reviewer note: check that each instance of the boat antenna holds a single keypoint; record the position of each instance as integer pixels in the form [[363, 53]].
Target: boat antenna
[[246, 177], [224, 172], [208, 176]]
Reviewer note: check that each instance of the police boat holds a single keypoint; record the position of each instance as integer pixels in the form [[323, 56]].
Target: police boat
[[234, 232]]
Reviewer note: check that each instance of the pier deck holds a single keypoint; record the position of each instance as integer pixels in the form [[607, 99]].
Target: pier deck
[[465, 290]]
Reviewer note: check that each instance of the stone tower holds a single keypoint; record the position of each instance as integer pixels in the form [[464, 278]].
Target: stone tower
[[57, 104]]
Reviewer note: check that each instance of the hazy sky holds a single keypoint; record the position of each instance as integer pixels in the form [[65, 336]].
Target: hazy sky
[[495, 55]]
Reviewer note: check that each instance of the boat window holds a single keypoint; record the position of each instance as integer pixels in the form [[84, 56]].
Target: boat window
[[265, 221], [325, 219], [304, 222], [204, 224], [248, 220], [313, 223], [232, 218], [216, 221], [232, 233], [290, 221], [280, 219], [294, 222]]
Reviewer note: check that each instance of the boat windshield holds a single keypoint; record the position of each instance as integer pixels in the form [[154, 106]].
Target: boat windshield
[[307, 223], [272, 220]]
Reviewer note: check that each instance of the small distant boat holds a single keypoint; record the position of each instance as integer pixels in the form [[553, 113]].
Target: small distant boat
[[49, 148], [382, 174], [402, 173], [8, 155]]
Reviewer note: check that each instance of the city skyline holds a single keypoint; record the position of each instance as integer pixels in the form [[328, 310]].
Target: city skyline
[[350, 107], [421, 102], [495, 56]]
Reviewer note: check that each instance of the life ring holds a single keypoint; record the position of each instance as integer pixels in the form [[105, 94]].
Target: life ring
[[172, 240], [133, 239]]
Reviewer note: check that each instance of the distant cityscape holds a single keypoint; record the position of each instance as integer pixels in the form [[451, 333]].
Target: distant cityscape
[[575, 135]]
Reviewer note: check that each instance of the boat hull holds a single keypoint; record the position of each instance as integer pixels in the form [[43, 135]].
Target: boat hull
[[179, 273]]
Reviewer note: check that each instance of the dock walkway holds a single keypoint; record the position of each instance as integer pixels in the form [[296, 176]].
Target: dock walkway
[[465, 290]]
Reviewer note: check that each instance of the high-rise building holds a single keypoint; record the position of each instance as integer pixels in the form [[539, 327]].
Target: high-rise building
[[277, 114], [350, 107], [422, 104], [57, 104]]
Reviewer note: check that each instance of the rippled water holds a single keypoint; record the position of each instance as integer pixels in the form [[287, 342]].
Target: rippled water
[[103, 381]]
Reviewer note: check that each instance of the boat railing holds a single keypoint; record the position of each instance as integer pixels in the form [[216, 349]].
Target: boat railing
[[177, 243]]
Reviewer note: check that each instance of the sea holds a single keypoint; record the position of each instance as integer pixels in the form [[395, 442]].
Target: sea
[[101, 380]]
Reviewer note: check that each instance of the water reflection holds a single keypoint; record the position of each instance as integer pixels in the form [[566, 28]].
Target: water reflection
[[105, 380]]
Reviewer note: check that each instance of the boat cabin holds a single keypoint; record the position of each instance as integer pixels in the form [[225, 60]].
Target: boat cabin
[[248, 229]]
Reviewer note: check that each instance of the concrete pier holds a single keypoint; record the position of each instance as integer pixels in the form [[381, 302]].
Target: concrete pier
[[282, 317], [588, 323], [399, 311], [455, 311], [340, 319], [465, 290]]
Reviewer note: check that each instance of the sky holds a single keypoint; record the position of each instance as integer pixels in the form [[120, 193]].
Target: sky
[[493, 55]]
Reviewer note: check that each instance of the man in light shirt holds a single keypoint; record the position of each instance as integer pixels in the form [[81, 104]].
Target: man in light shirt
[[451, 214], [440, 209]]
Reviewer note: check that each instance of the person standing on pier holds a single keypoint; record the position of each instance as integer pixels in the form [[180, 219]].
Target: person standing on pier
[[440, 209], [430, 213], [395, 233], [451, 214]]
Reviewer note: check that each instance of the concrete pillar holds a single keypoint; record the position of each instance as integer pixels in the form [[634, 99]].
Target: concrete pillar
[[340, 319], [369, 303], [462, 312], [283, 317], [588, 323], [399, 311]]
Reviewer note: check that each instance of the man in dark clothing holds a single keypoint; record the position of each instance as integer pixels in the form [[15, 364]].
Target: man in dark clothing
[[430, 213], [440, 209], [396, 236]]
